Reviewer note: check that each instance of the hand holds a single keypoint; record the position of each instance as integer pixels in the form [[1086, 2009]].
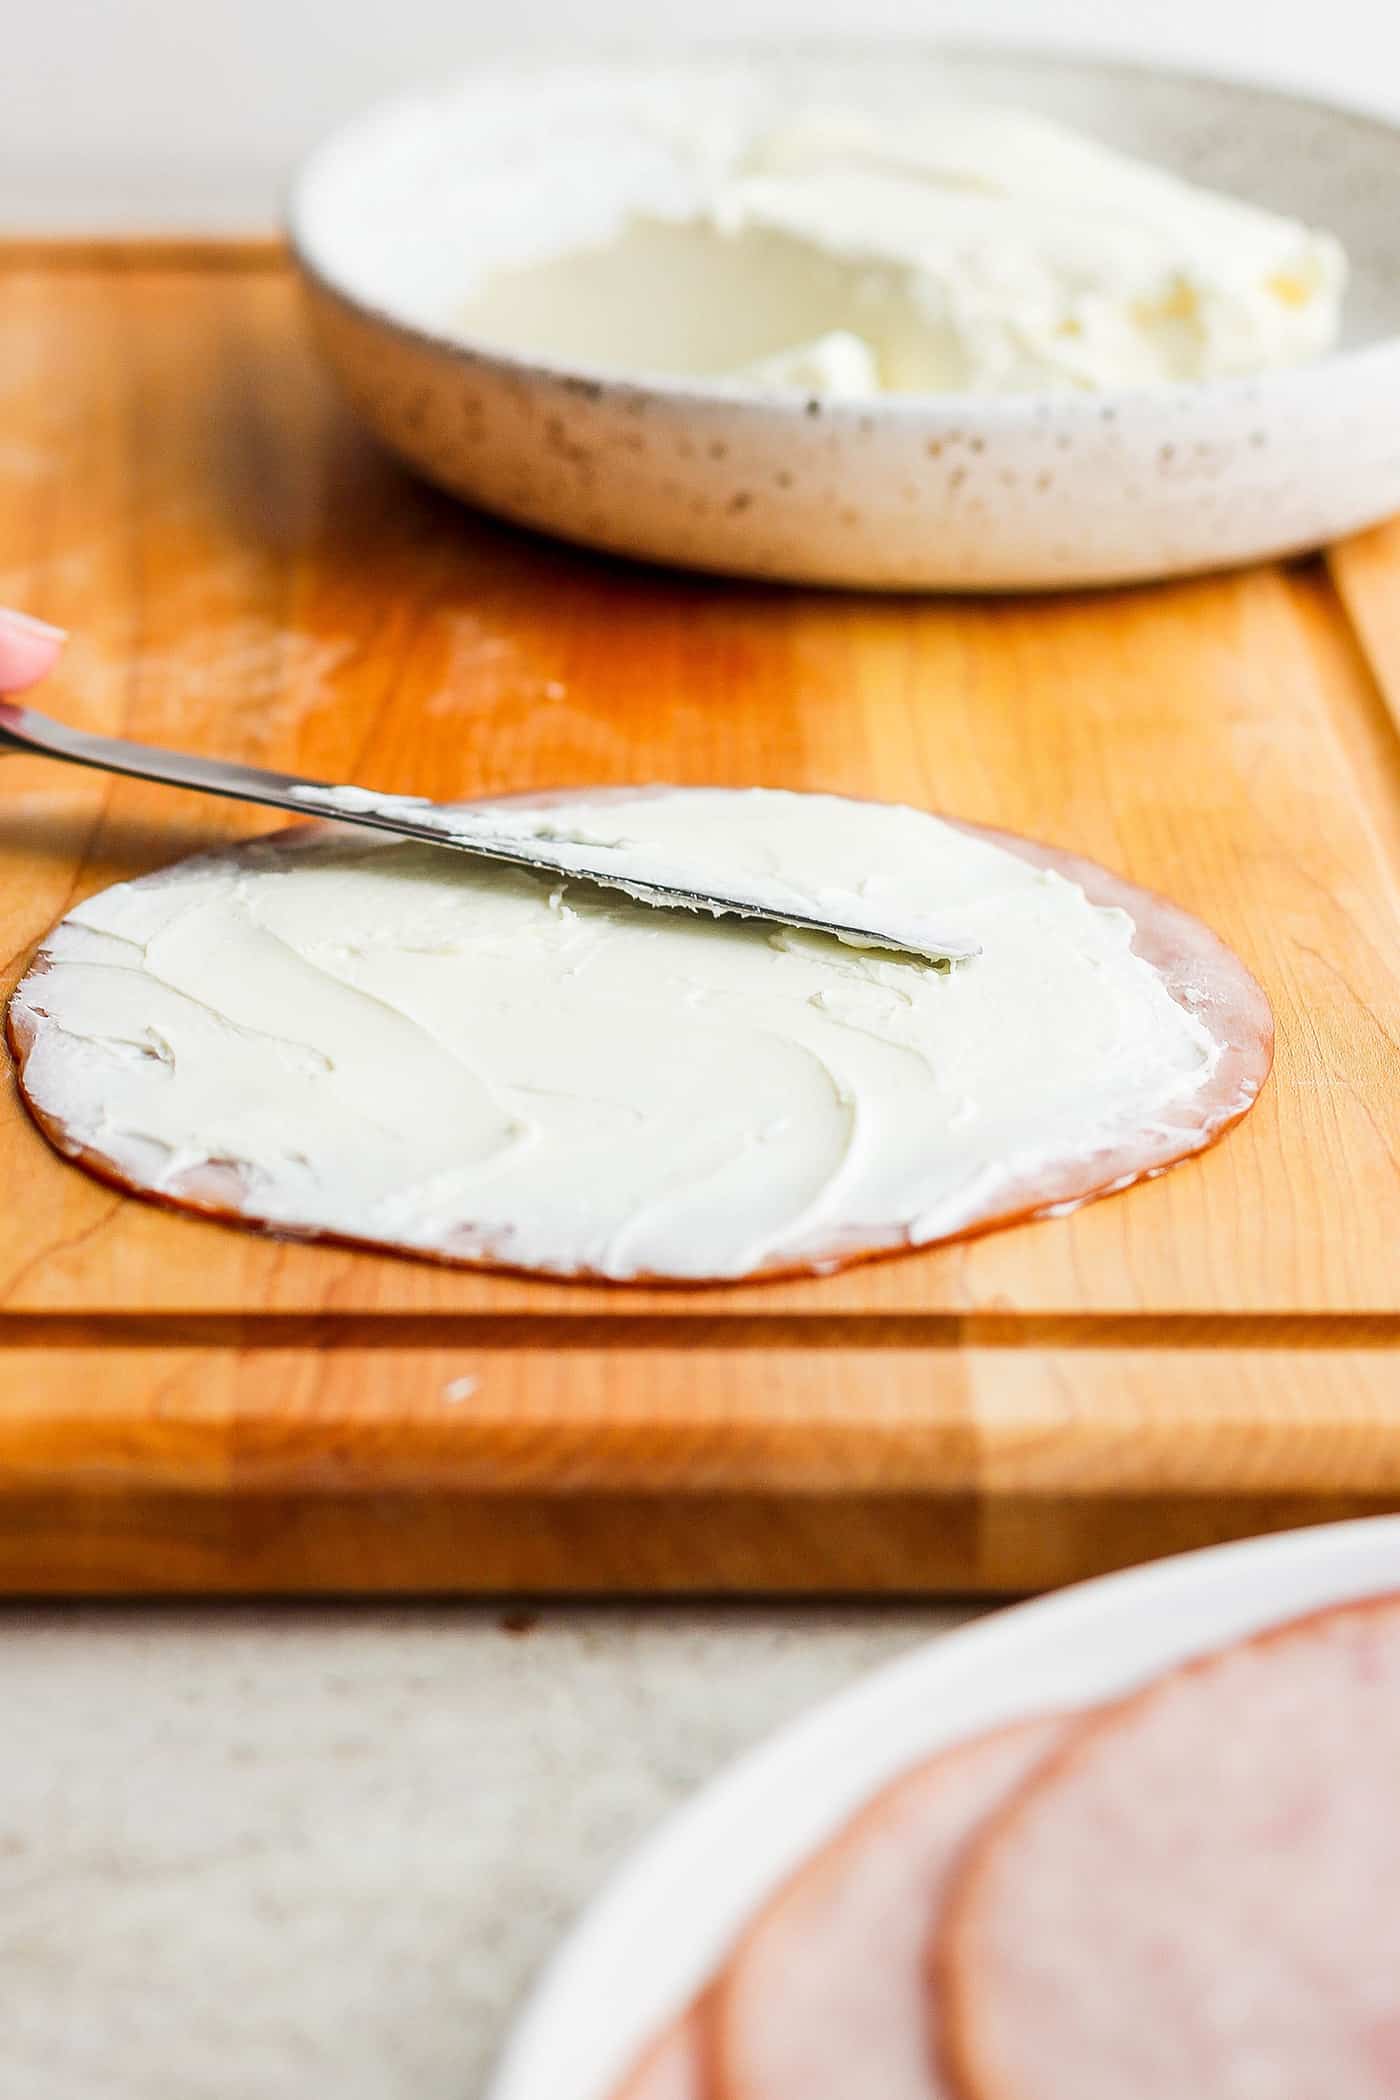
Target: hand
[[29, 649]]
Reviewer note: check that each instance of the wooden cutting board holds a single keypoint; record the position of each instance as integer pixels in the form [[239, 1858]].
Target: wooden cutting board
[[185, 1407]]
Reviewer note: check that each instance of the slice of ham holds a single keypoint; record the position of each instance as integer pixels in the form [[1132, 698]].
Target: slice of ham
[[824, 1998], [1201, 974], [672, 2068], [1197, 969], [1198, 1898]]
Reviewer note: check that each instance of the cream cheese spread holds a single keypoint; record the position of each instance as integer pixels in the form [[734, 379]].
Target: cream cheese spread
[[976, 250], [395, 1044], [657, 870]]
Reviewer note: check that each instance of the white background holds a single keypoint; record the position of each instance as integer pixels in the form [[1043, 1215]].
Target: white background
[[173, 113]]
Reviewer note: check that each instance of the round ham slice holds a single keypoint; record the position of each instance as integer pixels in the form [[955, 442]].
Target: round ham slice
[[824, 1998], [671, 2069], [1199, 1897], [1199, 973]]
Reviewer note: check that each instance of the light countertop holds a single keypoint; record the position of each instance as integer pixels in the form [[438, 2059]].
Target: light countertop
[[291, 1852]]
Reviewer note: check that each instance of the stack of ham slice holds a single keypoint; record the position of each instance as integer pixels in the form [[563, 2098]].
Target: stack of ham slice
[[1193, 1894], [673, 2068]]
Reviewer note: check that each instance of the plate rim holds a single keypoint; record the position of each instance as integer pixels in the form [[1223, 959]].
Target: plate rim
[[1186, 1604]]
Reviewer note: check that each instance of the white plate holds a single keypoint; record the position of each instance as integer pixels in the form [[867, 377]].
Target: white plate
[[661, 1928], [944, 491]]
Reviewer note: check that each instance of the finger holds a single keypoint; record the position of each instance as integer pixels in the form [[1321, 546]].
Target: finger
[[29, 649]]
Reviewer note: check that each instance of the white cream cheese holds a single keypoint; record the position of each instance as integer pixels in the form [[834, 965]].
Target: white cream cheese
[[978, 250], [837, 363], [401, 1045], [658, 869], [1003, 253]]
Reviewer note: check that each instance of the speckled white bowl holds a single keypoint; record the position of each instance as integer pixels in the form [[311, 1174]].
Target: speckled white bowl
[[950, 491]]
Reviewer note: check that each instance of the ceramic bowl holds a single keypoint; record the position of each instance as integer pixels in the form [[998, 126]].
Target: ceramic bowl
[[936, 491]]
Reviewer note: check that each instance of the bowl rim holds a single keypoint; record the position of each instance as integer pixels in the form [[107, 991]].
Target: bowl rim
[[1001, 412]]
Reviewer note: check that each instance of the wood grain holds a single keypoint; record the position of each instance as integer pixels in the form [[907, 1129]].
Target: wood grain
[[244, 573]]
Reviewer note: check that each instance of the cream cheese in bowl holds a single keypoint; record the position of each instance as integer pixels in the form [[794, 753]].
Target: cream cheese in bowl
[[890, 318], [972, 251]]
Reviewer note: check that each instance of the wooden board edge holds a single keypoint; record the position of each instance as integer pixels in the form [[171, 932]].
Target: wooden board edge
[[1084, 1416], [685, 1472], [1362, 572], [621, 1546]]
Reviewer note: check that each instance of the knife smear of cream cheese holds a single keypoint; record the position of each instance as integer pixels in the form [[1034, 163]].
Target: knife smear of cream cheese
[[663, 864], [344, 1033]]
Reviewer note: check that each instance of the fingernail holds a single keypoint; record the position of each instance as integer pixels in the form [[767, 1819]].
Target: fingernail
[[25, 623]]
